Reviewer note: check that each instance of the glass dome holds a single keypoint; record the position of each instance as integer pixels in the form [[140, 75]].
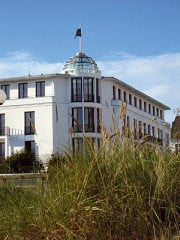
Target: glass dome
[[81, 63]]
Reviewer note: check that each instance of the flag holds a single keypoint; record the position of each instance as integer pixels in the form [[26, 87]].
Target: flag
[[78, 33]]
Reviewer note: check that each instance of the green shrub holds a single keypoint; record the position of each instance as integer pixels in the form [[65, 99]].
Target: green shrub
[[20, 162]]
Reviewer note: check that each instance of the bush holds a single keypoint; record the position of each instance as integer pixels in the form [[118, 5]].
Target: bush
[[20, 162]]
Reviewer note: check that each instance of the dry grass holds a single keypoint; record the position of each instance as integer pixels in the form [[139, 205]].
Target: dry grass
[[122, 191]]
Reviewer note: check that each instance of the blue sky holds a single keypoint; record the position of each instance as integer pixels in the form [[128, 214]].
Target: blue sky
[[137, 41]]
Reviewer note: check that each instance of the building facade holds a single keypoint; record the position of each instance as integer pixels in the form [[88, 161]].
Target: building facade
[[53, 112]]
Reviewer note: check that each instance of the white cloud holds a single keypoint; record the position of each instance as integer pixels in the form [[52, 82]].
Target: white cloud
[[22, 63], [157, 76]]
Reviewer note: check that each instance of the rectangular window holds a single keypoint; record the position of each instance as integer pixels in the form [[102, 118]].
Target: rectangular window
[[2, 124], [160, 133], [153, 111], [140, 104], [161, 114], [77, 119], [157, 112], [89, 119], [140, 129], [135, 128], [145, 107], [99, 119], [23, 90], [77, 145], [97, 91], [30, 146], [76, 89], [6, 88], [114, 92], [124, 96], [40, 89], [130, 99], [153, 131], [119, 93], [144, 129], [135, 101], [149, 129], [149, 108], [29, 123], [2, 151], [88, 90], [128, 126]]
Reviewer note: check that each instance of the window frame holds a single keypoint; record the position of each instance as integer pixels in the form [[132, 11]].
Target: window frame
[[29, 123], [40, 89], [76, 89], [22, 90], [6, 89]]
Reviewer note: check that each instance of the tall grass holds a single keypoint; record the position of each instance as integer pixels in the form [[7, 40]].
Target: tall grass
[[123, 191]]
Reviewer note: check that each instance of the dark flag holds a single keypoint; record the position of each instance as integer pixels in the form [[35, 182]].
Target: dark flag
[[78, 33]]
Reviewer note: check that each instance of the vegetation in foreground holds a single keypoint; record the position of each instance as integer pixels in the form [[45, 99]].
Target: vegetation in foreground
[[124, 191]]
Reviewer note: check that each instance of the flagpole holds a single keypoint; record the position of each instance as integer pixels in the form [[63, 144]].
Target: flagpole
[[80, 44]]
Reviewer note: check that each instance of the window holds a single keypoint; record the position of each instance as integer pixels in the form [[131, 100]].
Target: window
[[124, 96], [2, 124], [149, 129], [140, 104], [114, 92], [135, 128], [140, 129], [77, 119], [160, 133], [153, 131], [157, 112], [77, 145], [128, 127], [135, 101], [2, 151], [99, 119], [88, 90], [89, 119], [40, 89], [145, 106], [30, 146], [29, 124], [22, 90], [97, 91], [119, 93], [149, 108], [153, 111], [144, 129], [130, 99], [161, 114], [6, 88], [76, 90]]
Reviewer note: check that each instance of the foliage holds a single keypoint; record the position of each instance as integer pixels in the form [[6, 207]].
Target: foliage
[[20, 162]]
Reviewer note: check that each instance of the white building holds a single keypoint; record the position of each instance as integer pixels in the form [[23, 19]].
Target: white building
[[48, 113]]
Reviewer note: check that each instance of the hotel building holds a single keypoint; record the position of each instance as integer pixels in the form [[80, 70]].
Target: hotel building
[[50, 112]]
